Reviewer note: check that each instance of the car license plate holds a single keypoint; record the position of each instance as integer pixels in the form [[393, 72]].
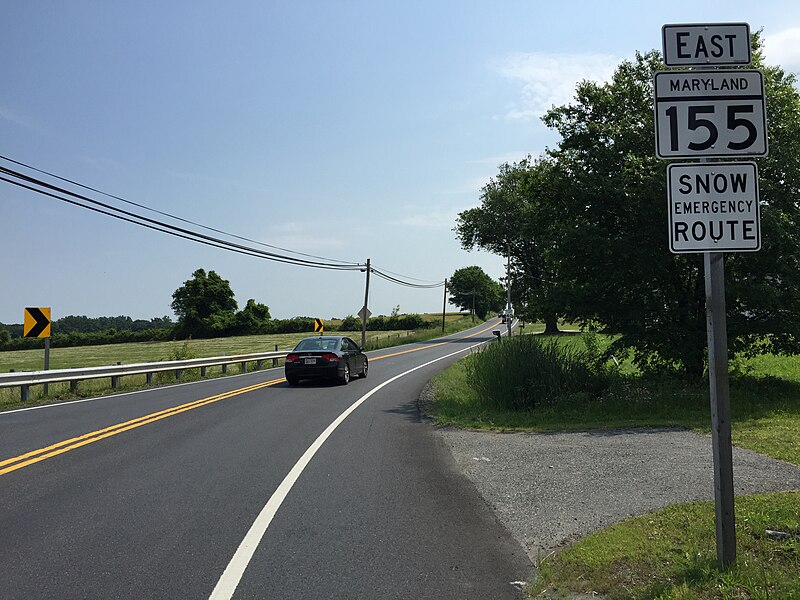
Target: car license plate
[[311, 361]]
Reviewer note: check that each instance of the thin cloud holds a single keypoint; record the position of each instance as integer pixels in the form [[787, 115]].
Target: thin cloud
[[783, 48], [550, 79], [11, 116]]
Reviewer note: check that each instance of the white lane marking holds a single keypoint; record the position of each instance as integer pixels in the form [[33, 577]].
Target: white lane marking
[[230, 579]]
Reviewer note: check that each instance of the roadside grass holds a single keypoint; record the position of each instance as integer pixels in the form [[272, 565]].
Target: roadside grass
[[143, 352], [765, 404], [672, 554], [669, 553]]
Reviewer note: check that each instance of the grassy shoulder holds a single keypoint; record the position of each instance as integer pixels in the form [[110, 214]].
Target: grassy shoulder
[[765, 405], [672, 554], [669, 553], [143, 352]]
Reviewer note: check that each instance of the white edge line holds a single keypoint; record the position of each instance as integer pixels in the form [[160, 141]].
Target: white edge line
[[233, 573]]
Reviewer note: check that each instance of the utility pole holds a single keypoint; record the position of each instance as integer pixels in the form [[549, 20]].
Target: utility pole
[[508, 294], [473, 306], [444, 304], [365, 310]]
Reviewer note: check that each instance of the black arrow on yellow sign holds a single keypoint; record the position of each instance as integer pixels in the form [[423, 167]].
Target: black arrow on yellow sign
[[319, 325], [36, 323]]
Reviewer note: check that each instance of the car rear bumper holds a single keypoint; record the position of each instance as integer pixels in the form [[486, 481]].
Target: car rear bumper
[[329, 371]]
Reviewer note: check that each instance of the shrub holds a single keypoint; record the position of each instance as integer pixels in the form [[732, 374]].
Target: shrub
[[527, 371]]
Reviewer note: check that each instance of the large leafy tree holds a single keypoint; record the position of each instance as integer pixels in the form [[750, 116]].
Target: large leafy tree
[[472, 284], [519, 216], [205, 305], [613, 255]]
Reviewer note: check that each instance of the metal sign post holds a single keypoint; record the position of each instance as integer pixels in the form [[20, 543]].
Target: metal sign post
[[714, 263]]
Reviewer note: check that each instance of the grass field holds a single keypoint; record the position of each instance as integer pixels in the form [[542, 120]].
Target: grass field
[[670, 553], [90, 356]]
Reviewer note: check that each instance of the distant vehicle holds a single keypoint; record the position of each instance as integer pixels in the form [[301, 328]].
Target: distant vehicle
[[326, 357]]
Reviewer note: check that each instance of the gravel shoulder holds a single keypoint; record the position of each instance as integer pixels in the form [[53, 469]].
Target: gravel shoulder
[[550, 489]]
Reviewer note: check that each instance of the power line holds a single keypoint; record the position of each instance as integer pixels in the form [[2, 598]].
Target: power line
[[166, 214], [156, 225]]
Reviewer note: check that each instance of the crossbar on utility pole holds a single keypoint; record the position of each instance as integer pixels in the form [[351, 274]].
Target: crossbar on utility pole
[[714, 263]]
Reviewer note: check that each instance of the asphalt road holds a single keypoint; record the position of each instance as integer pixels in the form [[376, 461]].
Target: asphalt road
[[210, 487]]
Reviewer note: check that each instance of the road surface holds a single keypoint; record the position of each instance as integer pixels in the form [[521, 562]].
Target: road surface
[[244, 487]]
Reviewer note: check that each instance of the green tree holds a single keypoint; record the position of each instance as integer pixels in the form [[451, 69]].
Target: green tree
[[519, 217], [613, 258], [205, 305], [469, 282], [253, 319]]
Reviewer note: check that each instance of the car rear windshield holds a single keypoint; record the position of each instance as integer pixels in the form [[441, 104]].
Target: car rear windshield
[[317, 344]]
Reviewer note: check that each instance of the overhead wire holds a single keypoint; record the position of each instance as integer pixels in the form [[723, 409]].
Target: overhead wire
[[166, 214], [163, 227], [57, 192]]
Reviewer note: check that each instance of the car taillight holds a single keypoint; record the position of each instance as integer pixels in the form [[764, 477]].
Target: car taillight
[[330, 357], [292, 357]]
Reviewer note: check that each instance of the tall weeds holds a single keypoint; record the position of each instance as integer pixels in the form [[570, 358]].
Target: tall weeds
[[521, 373]]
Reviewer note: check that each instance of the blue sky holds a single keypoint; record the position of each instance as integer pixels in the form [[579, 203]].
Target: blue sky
[[343, 129]]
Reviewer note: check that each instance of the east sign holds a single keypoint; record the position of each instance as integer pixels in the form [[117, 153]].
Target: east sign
[[715, 45]]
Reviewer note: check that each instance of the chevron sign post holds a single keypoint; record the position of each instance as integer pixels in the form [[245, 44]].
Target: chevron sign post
[[36, 324]]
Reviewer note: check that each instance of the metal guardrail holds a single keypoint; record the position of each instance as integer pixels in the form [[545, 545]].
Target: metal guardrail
[[25, 379]]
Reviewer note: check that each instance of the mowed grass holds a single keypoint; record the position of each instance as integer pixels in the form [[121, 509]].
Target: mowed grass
[[144, 352], [669, 554], [672, 554]]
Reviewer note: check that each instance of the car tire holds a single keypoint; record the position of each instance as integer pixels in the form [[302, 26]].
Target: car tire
[[292, 380], [344, 378], [363, 374]]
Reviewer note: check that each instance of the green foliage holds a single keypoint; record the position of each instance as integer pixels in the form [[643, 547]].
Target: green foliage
[[350, 323], [183, 352], [205, 305], [585, 226], [518, 216], [253, 319], [472, 284], [526, 372]]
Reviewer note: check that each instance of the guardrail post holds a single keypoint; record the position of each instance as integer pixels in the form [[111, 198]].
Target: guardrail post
[[202, 371], [275, 360], [148, 378], [114, 382], [244, 367], [258, 365], [73, 386], [178, 373], [224, 368], [24, 391]]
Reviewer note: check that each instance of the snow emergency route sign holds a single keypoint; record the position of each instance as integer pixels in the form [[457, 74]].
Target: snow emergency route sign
[[713, 207]]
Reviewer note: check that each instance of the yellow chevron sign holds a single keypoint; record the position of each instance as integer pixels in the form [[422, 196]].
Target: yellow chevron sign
[[36, 323], [319, 325]]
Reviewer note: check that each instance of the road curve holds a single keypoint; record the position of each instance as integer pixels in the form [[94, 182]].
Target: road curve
[[152, 494]]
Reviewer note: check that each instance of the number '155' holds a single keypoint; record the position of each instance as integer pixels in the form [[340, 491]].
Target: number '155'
[[696, 122]]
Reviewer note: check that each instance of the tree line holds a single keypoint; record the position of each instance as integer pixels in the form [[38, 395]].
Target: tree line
[[206, 307], [585, 225]]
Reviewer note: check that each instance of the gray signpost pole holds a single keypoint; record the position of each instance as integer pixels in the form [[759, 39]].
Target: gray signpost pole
[[714, 263]]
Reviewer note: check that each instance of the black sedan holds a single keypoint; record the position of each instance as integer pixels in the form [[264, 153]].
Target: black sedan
[[327, 357]]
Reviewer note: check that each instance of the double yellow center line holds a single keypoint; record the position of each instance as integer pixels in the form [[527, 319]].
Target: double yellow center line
[[23, 460]]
